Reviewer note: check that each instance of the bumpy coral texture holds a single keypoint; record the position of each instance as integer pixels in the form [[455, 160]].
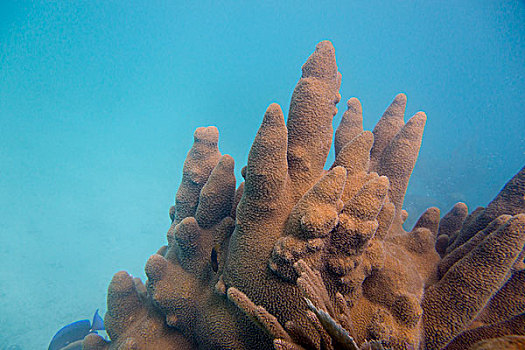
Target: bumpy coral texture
[[299, 257]]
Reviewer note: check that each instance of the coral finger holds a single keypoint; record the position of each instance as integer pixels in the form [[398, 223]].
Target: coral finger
[[124, 305], [368, 202], [281, 344], [312, 286], [350, 126], [387, 127], [311, 220], [267, 167], [508, 342], [451, 304], [429, 220], [322, 334], [453, 220], [339, 335], [315, 215], [200, 161], [355, 156], [184, 239], [307, 338], [94, 341], [312, 108], [398, 160], [509, 301], [216, 197], [258, 314], [450, 259], [450, 225], [512, 326], [510, 200]]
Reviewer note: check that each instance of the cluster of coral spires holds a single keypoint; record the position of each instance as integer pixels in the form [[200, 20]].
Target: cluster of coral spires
[[299, 257]]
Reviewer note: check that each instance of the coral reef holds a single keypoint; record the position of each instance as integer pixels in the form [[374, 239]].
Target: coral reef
[[299, 257]]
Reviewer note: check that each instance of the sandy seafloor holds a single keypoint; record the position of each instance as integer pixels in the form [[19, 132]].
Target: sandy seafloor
[[49, 281], [99, 100]]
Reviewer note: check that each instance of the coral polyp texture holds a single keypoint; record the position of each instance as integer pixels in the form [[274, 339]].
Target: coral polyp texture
[[300, 257]]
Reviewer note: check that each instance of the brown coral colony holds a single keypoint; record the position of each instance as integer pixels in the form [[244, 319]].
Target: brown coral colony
[[299, 257]]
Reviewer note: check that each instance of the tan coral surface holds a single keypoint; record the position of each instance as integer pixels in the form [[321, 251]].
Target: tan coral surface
[[299, 257]]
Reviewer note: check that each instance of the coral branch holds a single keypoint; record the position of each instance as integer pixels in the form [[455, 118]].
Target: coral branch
[[216, 197], [386, 129], [258, 314], [350, 126], [510, 201], [310, 117], [461, 294], [398, 159], [199, 163]]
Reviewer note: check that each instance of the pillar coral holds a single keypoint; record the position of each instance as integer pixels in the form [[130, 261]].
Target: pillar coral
[[299, 257]]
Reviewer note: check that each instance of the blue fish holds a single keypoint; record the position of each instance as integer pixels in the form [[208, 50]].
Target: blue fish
[[70, 337]]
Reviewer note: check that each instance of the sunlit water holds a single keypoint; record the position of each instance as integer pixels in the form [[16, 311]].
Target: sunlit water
[[98, 104]]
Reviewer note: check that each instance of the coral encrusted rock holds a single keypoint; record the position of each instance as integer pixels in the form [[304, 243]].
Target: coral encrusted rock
[[305, 255]]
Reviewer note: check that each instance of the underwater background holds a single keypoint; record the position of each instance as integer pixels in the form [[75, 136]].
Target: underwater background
[[99, 101]]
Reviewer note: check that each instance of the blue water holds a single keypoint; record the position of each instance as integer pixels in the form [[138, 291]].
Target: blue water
[[99, 100]]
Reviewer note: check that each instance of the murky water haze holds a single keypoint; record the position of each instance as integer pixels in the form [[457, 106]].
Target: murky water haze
[[99, 101]]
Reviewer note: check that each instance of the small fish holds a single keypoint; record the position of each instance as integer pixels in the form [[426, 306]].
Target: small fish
[[70, 337], [213, 258]]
